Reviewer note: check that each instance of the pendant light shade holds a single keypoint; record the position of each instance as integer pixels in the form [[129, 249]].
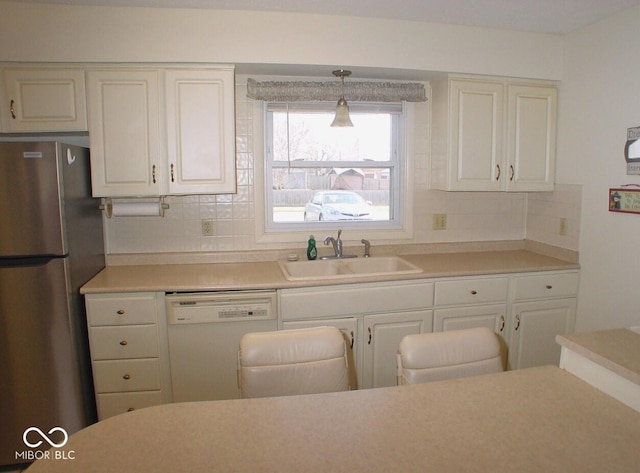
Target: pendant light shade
[[342, 108], [342, 114]]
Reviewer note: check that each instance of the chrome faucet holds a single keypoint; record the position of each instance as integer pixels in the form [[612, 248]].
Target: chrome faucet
[[367, 247], [336, 243]]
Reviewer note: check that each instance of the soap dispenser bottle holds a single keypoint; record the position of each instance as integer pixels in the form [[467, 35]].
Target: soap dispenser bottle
[[312, 251]]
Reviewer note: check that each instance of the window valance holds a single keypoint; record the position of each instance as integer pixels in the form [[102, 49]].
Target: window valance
[[299, 91]]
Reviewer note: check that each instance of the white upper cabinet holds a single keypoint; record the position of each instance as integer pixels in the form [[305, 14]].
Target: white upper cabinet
[[467, 135], [200, 131], [531, 137], [124, 132], [43, 100], [162, 131], [492, 135]]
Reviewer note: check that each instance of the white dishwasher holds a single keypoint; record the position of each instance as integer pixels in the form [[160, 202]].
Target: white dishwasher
[[204, 331]]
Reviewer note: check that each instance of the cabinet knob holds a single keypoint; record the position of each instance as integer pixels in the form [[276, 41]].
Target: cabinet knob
[[172, 177], [549, 286], [123, 342], [498, 172], [473, 293], [501, 323], [120, 312], [12, 109], [370, 335], [131, 409], [153, 173], [513, 172], [126, 376], [352, 339]]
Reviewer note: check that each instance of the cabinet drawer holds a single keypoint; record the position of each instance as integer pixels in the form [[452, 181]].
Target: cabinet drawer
[[125, 341], [126, 375], [113, 404], [471, 291], [542, 286], [352, 299], [121, 309]]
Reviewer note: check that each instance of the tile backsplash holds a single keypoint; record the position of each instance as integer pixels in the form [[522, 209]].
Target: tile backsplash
[[471, 216], [545, 211]]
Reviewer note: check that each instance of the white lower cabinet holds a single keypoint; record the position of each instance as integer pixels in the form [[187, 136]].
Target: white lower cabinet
[[492, 316], [543, 306], [127, 338], [130, 350], [349, 328], [526, 310], [383, 334], [535, 326], [373, 316]]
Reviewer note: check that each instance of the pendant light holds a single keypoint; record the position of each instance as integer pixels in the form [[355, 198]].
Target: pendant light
[[342, 108]]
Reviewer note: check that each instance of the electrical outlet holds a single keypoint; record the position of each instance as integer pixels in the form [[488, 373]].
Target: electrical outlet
[[439, 221], [563, 227], [207, 227]]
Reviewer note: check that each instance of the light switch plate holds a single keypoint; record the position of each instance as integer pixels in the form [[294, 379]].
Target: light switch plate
[[439, 221]]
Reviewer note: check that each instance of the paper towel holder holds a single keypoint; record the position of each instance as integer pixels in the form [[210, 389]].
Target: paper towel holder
[[106, 205]]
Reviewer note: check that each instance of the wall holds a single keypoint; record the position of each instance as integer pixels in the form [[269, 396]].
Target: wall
[[600, 99], [32, 32]]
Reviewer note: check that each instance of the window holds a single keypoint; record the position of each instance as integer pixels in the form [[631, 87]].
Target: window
[[322, 177]]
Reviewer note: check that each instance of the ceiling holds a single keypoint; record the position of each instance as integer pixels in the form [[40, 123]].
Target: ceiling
[[543, 16]]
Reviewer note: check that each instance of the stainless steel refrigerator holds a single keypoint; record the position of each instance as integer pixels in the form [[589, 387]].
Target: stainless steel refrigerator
[[51, 243]]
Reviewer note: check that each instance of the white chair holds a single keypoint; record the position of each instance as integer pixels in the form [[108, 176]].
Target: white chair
[[438, 356], [289, 362]]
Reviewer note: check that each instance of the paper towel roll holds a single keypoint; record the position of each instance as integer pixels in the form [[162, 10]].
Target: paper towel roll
[[137, 209]]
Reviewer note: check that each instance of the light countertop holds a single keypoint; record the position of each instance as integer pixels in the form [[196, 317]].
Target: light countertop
[[533, 420], [617, 350], [267, 274]]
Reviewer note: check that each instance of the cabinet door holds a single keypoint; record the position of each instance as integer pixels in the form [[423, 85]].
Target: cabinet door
[[534, 327], [381, 337], [476, 136], [44, 100], [458, 318], [200, 131], [531, 137], [124, 120], [349, 328]]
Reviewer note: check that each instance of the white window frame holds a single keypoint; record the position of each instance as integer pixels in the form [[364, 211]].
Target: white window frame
[[400, 228]]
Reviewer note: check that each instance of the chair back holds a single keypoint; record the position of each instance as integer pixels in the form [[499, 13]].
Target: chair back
[[289, 362], [438, 356]]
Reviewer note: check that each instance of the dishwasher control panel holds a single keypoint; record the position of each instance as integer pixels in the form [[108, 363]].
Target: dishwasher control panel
[[211, 307]]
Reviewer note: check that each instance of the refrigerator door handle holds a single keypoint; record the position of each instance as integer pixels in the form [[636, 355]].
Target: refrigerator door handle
[[27, 261]]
